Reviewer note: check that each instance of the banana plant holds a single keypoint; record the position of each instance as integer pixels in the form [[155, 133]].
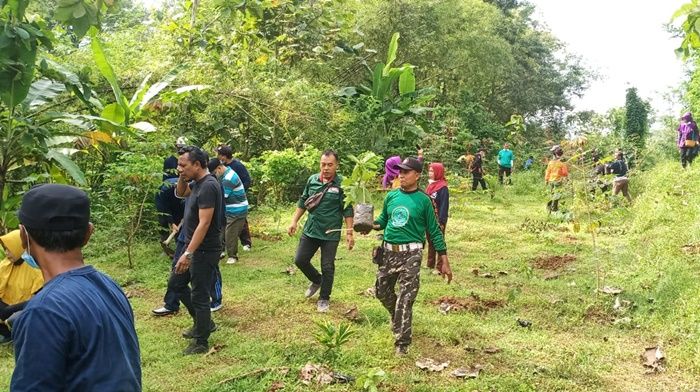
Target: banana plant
[[385, 80], [27, 92], [127, 115]]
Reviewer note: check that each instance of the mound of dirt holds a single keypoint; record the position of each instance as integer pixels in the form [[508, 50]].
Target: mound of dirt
[[473, 304], [553, 262]]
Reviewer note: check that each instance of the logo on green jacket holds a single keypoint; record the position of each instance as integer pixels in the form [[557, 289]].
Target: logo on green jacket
[[399, 217]]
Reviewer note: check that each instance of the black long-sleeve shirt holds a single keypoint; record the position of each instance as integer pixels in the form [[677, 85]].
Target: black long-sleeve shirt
[[441, 199]]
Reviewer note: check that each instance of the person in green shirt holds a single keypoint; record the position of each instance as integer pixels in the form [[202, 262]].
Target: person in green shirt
[[505, 163], [406, 216], [322, 228]]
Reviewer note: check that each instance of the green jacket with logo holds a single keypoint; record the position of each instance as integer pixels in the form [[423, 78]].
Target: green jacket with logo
[[330, 212], [406, 216]]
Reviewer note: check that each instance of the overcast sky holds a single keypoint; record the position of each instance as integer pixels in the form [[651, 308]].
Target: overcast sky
[[624, 41]]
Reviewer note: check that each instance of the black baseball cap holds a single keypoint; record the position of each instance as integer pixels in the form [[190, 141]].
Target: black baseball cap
[[55, 207], [411, 163]]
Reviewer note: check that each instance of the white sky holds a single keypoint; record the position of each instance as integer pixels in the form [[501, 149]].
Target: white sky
[[624, 41]]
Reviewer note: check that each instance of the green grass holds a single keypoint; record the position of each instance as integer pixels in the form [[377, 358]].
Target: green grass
[[572, 345]]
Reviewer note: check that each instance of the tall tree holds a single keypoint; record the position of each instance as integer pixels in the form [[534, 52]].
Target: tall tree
[[636, 117]]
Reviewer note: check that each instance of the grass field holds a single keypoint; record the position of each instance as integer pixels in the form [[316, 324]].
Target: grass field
[[510, 262]]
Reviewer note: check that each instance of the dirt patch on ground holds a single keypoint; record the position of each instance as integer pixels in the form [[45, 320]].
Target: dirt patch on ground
[[473, 304], [691, 249], [553, 262], [598, 315]]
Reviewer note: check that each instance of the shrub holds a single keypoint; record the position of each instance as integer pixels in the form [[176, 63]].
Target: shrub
[[279, 176]]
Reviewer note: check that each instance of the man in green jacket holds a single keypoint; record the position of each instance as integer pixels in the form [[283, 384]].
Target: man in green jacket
[[406, 216], [322, 228]]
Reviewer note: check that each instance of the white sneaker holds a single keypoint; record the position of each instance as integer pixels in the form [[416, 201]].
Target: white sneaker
[[216, 307], [246, 248], [232, 260], [322, 305], [313, 288]]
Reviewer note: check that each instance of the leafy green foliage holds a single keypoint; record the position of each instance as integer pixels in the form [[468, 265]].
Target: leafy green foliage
[[333, 337], [636, 117], [370, 381], [690, 27], [128, 190], [280, 175], [363, 174]]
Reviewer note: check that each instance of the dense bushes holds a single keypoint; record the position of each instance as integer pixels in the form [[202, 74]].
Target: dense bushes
[[279, 176]]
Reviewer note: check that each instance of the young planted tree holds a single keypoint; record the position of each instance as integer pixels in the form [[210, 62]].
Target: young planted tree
[[356, 188]]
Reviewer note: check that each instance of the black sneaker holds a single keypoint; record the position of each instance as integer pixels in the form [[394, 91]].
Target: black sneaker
[[190, 333], [401, 350], [195, 348]]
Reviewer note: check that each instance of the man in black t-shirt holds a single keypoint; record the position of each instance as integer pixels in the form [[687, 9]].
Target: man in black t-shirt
[[202, 224]]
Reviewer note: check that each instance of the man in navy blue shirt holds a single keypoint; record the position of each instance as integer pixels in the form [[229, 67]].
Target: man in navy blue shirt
[[77, 333]]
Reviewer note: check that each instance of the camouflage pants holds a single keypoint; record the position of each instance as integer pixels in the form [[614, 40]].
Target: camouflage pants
[[404, 268]]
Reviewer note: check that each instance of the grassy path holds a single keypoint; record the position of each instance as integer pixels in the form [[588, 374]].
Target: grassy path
[[504, 270]]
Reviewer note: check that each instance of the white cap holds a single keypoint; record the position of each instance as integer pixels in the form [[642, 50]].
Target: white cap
[[181, 142]]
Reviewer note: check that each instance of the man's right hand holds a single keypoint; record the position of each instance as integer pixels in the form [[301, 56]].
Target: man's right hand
[[292, 229]]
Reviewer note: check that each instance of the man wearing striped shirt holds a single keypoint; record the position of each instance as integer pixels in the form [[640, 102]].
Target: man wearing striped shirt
[[236, 209]]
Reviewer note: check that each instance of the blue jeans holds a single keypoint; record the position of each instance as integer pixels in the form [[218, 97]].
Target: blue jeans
[[171, 300]]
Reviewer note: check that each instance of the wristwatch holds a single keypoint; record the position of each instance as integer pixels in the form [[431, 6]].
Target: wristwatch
[[188, 255]]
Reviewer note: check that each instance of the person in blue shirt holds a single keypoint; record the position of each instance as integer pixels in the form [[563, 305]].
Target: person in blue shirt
[[225, 155], [236, 207], [528, 163], [505, 163], [77, 333]]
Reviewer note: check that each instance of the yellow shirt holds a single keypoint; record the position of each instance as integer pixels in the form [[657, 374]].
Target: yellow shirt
[[556, 171], [18, 283]]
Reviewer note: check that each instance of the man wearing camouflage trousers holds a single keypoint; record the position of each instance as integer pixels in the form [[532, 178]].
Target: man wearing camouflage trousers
[[407, 214]]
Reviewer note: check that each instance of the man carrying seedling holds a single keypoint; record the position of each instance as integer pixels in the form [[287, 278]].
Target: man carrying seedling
[[323, 198], [406, 216]]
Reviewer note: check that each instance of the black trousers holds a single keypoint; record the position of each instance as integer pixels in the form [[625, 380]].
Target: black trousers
[[197, 300], [172, 298], [476, 180], [687, 155], [5, 312], [305, 251], [245, 235], [503, 170]]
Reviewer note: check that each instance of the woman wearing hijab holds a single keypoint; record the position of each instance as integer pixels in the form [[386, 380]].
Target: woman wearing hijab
[[391, 172], [687, 139], [440, 195]]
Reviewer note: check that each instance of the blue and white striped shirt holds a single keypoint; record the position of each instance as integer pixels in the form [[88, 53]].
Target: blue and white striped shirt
[[234, 194]]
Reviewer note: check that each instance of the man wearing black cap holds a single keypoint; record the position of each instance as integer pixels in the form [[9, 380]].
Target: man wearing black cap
[[406, 216], [77, 333], [202, 225]]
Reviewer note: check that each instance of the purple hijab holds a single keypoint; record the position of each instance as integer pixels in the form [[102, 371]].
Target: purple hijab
[[391, 170]]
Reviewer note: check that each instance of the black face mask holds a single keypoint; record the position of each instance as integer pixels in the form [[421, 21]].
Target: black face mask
[[18, 262]]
